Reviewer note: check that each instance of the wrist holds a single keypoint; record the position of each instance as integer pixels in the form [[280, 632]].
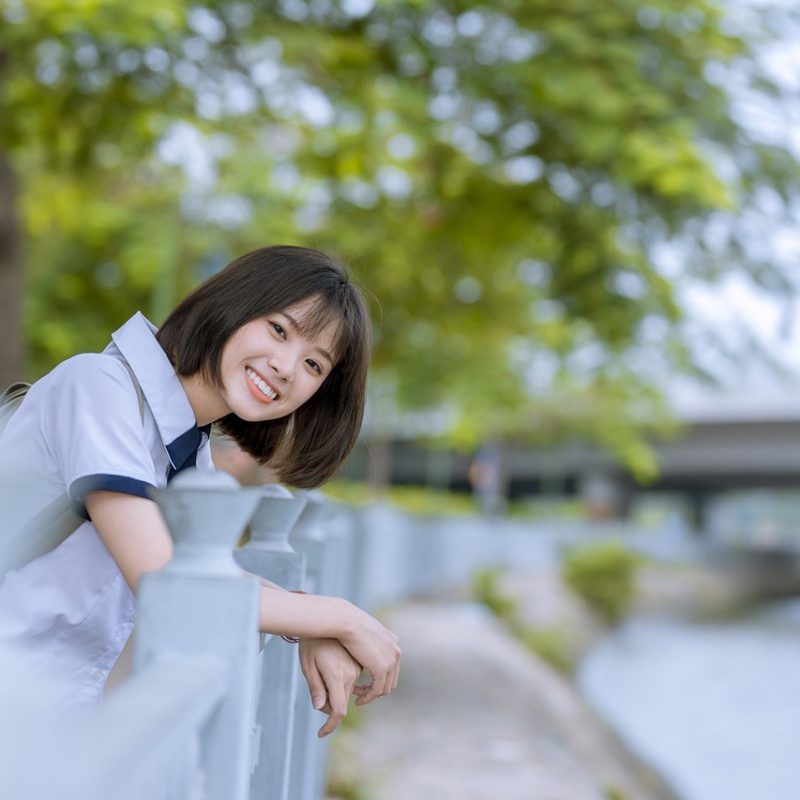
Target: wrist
[[346, 617], [286, 637]]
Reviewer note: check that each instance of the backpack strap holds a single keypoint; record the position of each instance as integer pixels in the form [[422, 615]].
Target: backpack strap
[[52, 524], [18, 389], [10, 400]]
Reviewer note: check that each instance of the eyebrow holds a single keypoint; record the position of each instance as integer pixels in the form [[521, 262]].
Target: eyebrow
[[296, 327]]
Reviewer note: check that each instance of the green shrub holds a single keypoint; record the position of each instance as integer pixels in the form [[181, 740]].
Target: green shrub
[[604, 575]]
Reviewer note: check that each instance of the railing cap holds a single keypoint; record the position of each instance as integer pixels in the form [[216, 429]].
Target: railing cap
[[206, 513], [275, 517]]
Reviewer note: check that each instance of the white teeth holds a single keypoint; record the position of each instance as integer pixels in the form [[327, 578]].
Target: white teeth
[[262, 385]]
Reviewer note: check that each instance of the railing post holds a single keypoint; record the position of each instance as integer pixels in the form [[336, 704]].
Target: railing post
[[201, 603], [321, 534], [320, 538], [269, 555]]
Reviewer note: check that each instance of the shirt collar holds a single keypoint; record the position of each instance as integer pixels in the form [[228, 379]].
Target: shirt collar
[[136, 342]]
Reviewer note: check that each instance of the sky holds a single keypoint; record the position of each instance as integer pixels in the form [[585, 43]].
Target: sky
[[736, 304]]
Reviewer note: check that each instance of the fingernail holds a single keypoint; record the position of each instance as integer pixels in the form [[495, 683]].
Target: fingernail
[[318, 702]]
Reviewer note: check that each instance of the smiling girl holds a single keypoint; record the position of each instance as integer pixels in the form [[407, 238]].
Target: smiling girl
[[274, 349]]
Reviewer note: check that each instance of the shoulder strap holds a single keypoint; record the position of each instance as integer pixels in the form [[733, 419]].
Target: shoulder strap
[[57, 520], [137, 387]]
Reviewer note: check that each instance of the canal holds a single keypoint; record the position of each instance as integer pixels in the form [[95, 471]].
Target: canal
[[715, 707]]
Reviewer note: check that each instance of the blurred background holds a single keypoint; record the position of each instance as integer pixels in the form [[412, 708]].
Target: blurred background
[[577, 224]]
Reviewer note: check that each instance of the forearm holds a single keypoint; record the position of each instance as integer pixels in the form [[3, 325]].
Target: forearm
[[134, 532], [305, 615]]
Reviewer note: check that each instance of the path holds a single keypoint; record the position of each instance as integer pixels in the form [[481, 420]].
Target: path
[[476, 717]]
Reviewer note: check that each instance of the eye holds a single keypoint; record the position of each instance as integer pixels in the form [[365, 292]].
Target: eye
[[314, 365], [279, 329]]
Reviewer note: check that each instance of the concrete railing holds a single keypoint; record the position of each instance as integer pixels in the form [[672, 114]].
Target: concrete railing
[[213, 710], [207, 712]]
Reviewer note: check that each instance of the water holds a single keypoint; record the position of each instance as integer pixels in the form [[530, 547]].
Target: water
[[714, 707]]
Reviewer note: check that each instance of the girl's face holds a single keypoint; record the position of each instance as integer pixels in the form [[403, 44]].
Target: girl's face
[[269, 368]]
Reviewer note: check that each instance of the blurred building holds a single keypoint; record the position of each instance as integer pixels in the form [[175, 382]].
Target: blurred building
[[729, 441]]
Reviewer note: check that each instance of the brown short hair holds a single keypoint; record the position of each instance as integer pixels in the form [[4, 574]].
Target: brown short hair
[[306, 447]]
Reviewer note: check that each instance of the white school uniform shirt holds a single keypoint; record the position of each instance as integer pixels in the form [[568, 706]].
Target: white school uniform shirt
[[66, 615]]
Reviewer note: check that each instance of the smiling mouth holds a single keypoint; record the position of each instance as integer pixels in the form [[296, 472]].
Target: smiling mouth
[[262, 390]]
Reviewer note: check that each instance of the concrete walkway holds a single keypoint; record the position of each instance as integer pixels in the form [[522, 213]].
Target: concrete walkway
[[477, 717]]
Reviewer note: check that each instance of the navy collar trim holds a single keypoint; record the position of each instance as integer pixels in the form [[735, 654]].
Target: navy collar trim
[[183, 450]]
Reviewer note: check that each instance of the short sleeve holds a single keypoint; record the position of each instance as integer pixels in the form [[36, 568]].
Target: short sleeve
[[94, 429]]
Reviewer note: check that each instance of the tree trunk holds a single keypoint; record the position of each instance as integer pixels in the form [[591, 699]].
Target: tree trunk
[[11, 278]]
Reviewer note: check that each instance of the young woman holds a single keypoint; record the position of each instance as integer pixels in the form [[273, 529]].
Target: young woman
[[274, 349]]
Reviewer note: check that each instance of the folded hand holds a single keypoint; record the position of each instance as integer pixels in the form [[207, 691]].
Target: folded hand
[[331, 673]]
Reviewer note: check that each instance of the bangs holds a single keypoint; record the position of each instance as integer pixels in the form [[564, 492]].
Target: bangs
[[339, 309]]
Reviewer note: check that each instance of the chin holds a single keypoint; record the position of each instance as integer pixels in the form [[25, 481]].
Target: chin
[[248, 415], [251, 415]]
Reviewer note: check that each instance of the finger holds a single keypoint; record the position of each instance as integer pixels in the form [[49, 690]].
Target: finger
[[364, 699], [316, 686], [378, 688], [373, 691], [388, 684], [337, 698], [387, 679], [351, 684], [396, 676], [364, 681]]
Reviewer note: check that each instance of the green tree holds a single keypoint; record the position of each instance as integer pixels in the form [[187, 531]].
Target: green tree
[[501, 176]]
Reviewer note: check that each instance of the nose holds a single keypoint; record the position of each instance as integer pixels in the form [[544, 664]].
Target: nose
[[281, 366]]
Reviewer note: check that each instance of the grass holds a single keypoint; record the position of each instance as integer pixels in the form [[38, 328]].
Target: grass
[[428, 501], [485, 590], [345, 788], [548, 643], [551, 644], [420, 500]]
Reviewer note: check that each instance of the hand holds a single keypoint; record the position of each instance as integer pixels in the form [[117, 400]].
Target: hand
[[377, 649], [319, 617], [331, 673]]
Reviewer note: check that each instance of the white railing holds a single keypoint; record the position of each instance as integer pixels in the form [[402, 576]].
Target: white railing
[[213, 710]]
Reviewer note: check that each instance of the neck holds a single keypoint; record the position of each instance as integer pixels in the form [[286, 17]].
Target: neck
[[205, 400]]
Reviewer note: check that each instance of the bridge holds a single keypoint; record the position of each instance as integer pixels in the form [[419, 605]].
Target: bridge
[[727, 442]]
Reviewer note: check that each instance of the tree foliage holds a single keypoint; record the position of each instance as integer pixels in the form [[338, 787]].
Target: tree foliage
[[501, 177]]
